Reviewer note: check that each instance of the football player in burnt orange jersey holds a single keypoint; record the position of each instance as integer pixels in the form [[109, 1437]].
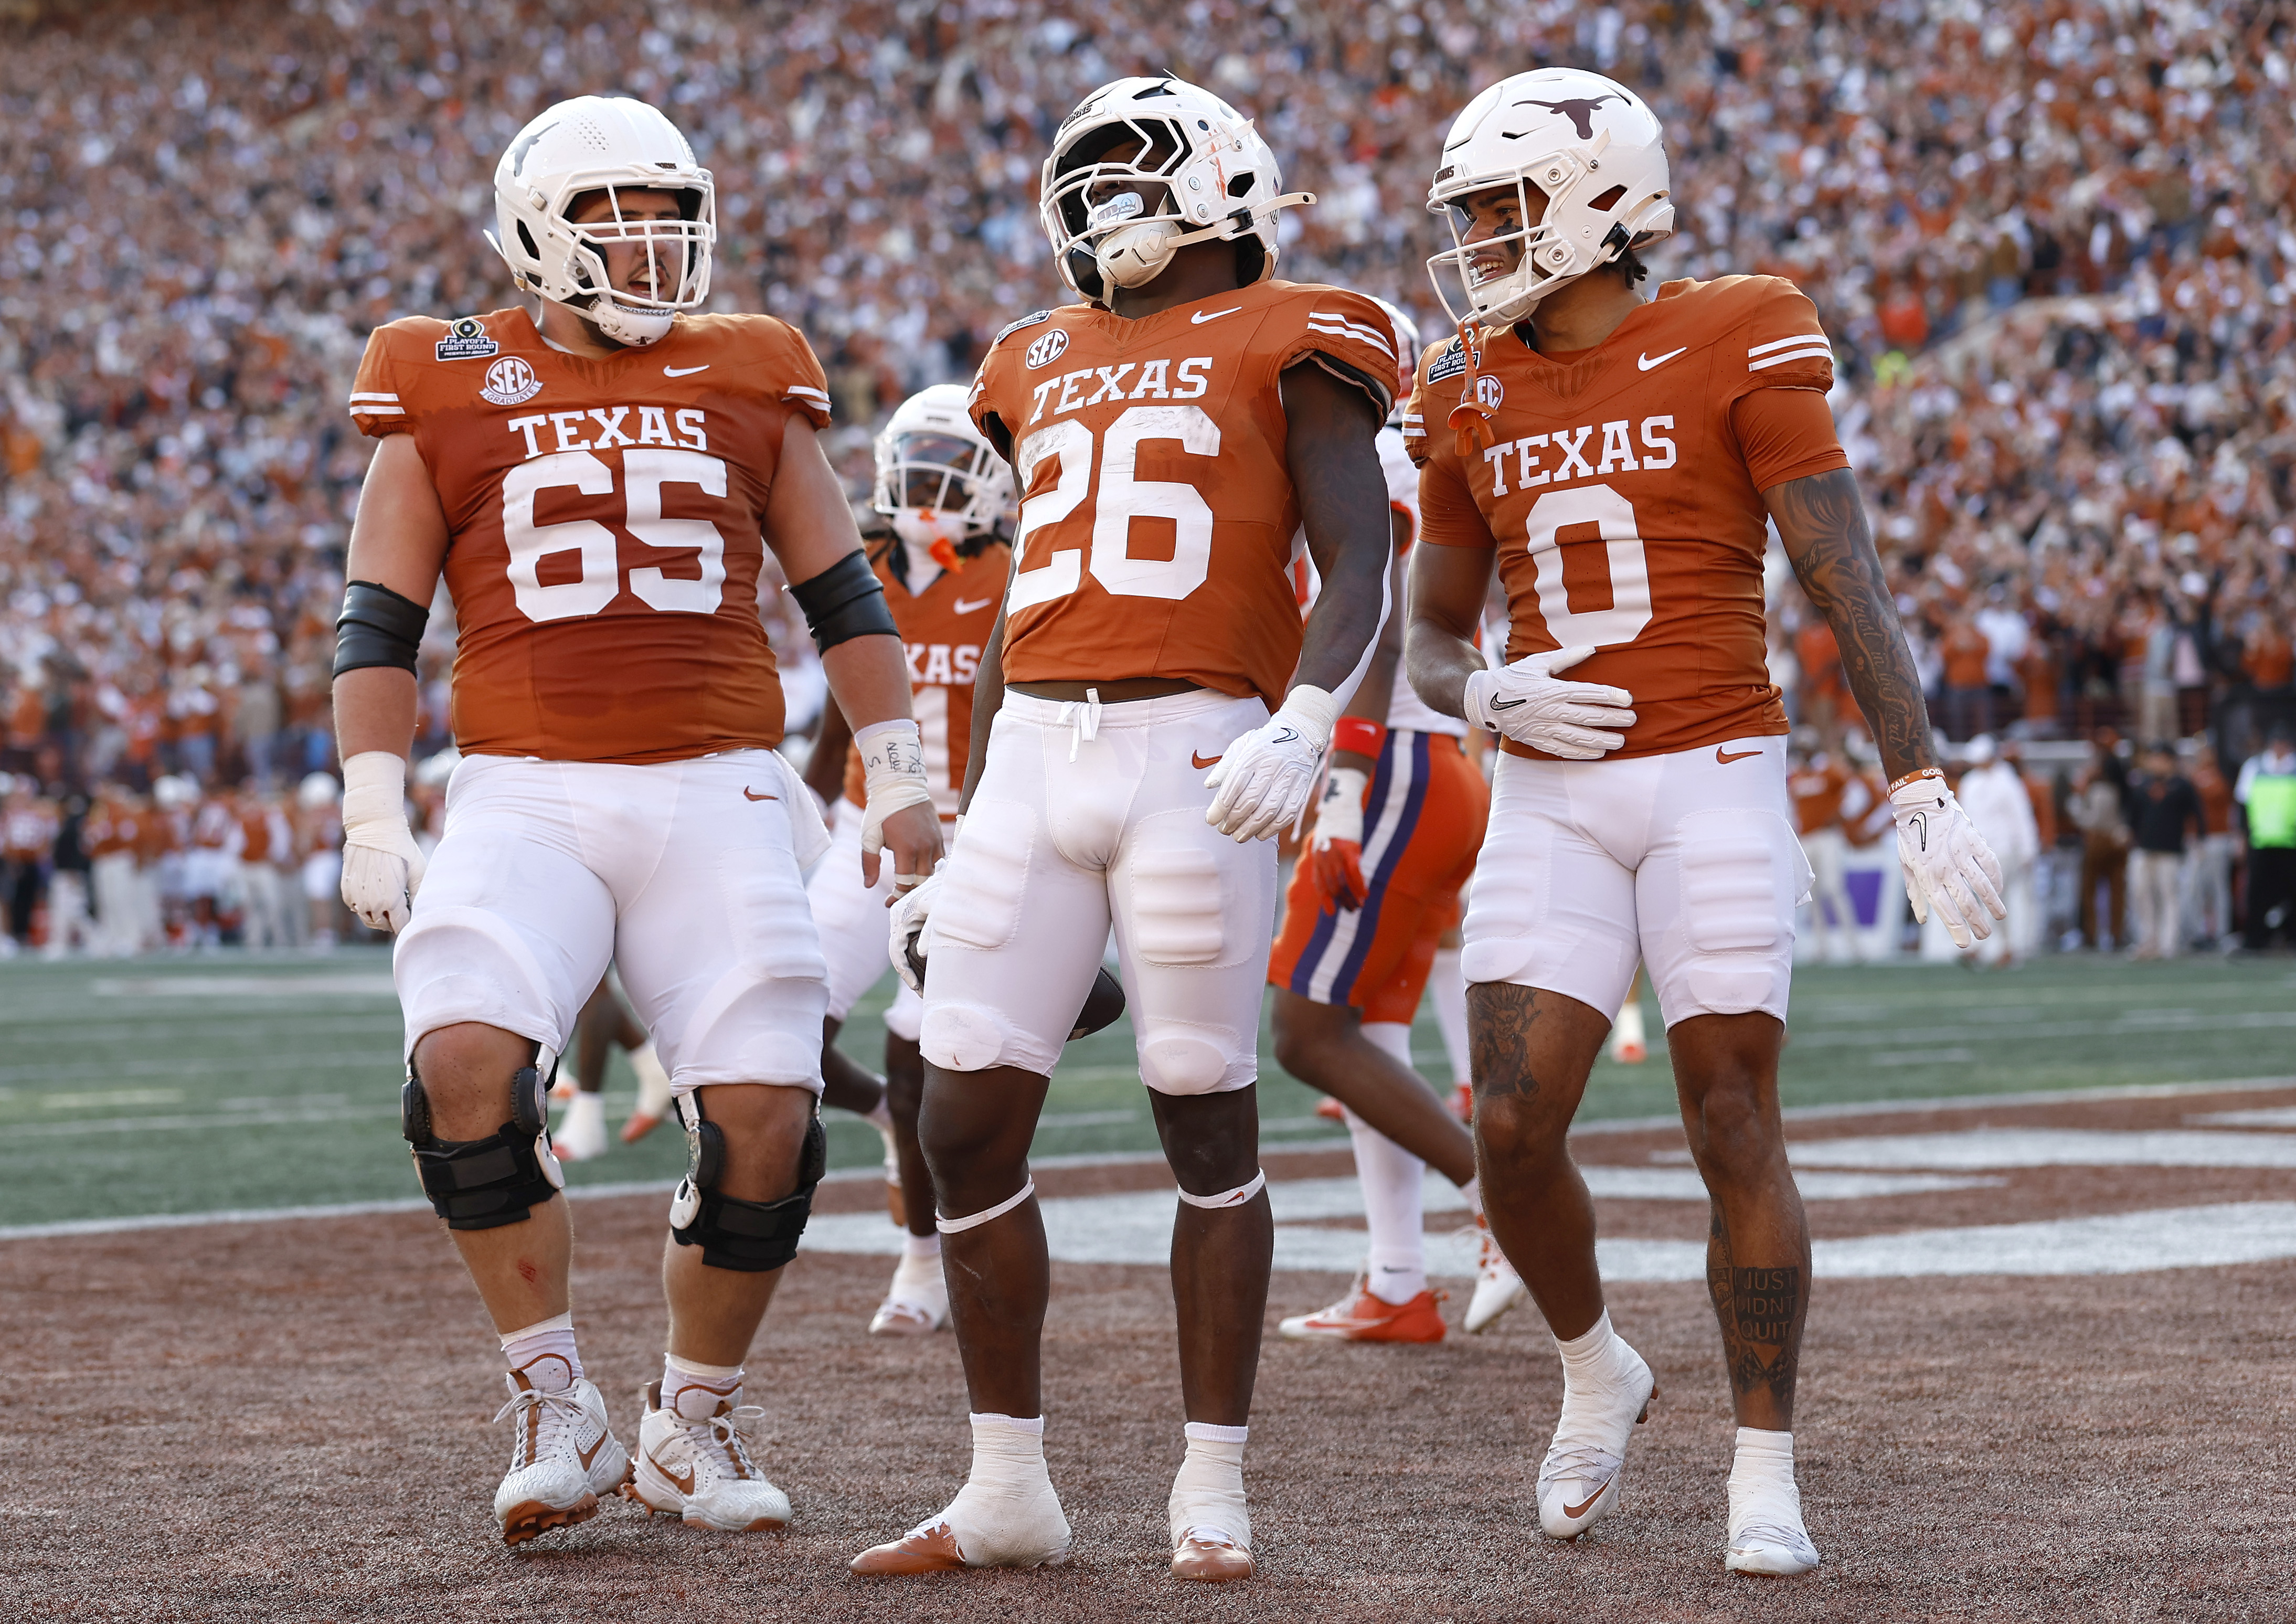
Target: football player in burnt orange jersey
[[1171, 435], [597, 481], [1617, 460]]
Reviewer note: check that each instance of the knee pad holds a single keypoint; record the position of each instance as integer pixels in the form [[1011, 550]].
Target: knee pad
[[1185, 1060], [747, 1237], [484, 1183], [963, 1036]]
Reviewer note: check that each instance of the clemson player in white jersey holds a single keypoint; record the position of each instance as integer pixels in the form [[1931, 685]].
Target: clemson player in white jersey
[[1172, 436], [1618, 461], [1393, 841], [593, 478]]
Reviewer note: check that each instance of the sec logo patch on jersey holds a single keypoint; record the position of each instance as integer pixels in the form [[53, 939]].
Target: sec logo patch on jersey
[[1048, 348], [1489, 391], [509, 382]]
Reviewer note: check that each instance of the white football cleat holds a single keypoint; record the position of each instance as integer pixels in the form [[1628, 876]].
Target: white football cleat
[[982, 1527], [581, 1135], [1497, 1287], [1578, 1479], [916, 1304], [700, 1471], [562, 1457], [1766, 1535]]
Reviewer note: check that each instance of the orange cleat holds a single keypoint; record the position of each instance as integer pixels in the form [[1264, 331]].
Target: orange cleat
[[1331, 1110], [925, 1550], [1212, 1560], [1359, 1316]]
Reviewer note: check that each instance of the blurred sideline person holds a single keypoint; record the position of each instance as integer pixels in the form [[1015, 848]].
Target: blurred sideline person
[[2265, 793], [2165, 820], [1131, 772], [948, 499], [1572, 432], [1392, 841], [1994, 794], [1826, 796], [606, 1024], [619, 796]]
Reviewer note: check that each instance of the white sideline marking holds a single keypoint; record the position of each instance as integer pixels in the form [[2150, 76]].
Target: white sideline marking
[[374, 984], [2270, 1116], [1991, 1148]]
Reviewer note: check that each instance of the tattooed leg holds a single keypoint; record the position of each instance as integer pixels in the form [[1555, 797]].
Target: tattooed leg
[[1757, 1248], [1530, 1052]]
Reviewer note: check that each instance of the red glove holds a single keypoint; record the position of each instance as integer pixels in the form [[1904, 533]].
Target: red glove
[[1336, 850]]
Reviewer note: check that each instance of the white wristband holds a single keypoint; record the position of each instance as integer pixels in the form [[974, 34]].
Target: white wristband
[[1316, 710]]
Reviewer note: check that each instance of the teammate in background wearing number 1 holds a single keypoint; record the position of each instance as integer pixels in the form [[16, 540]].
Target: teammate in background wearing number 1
[[1617, 460], [594, 480], [1171, 435]]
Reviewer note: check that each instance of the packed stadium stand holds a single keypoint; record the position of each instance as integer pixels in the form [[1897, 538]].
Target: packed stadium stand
[[2054, 246]]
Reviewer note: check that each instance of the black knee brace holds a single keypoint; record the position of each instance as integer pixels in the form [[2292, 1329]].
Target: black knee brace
[[749, 1237], [484, 1184]]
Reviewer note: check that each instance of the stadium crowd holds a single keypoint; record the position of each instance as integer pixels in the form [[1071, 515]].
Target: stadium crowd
[[2055, 247]]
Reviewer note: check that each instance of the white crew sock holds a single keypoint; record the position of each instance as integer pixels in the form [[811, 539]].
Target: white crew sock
[[1008, 1453], [693, 1389], [543, 1353], [1627, 1028], [1764, 1459], [921, 1246], [1589, 1359], [585, 1112], [653, 1082], [1208, 1493], [1447, 987], [1393, 1207]]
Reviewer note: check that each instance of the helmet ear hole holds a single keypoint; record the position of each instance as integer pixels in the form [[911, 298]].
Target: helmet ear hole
[[1608, 200], [526, 240], [1241, 185]]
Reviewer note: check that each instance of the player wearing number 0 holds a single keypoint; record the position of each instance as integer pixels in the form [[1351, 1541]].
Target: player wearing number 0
[[1616, 461], [1171, 437], [593, 479]]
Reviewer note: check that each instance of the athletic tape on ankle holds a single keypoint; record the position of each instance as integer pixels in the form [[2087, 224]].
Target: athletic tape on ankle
[[959, 1225], [1229, 1198]]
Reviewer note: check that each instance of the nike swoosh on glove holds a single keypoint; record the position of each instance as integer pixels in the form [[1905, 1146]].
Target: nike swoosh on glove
[[1947, 863], [383, 866], [1577, 721], [1263, 779], [909, 911], [1335, 854]]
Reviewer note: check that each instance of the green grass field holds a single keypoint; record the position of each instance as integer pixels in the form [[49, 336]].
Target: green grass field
[[222, 1082]]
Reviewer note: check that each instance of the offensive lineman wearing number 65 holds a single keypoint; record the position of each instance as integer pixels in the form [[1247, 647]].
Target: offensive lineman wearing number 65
[[598, 480], [1617, 460]]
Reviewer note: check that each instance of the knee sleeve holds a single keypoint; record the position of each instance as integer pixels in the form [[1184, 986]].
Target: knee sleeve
[[486, 1183], [747, 1237], [963, 1036]]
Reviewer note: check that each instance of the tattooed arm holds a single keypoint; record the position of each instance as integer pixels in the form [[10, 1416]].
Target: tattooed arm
[[1822, 521]]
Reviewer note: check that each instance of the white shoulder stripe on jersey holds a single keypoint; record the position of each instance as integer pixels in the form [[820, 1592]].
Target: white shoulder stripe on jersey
[[1348, 328], [371, 395], [378, 411], [803, 392], [1799, 338], [1816, 352]]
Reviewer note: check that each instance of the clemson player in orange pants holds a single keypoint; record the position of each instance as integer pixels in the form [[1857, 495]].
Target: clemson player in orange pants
[[1371, 898]]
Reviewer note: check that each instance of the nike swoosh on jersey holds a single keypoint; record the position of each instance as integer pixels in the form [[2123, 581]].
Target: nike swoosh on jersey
[[1739, 756], [1644, 363], [1202, 317], [749, 794], [963, 608], [1200, 762], [680, 372]]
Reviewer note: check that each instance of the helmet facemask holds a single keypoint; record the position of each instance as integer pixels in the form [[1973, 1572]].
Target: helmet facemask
[[944, 493], [675, 263], [1114, 196], [1543, 259]]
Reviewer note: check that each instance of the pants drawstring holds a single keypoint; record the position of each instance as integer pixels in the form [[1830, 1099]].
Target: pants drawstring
[[1081, 720]]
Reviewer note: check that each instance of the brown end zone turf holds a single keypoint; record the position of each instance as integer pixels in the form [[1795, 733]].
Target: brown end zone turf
[[260, 1422]]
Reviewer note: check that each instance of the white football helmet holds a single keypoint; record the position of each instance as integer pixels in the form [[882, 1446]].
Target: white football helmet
[[608, 143], [938, 477], [1406, 355], [1200, 171], [1589, 146]]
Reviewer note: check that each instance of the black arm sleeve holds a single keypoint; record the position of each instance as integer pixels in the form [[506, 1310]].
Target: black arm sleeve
[[843, 602], [377, 627]]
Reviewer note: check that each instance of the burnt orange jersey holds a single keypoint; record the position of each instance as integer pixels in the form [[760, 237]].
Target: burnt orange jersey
[[1621, 487], [943, 630], [1158, 518], [606, 521], [1816, 791]]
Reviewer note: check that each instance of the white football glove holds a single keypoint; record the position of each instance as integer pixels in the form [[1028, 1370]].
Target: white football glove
[[893, 760], [909, 911], [1524, 701], [1947, 865], [383, 866], [1263, 779]]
